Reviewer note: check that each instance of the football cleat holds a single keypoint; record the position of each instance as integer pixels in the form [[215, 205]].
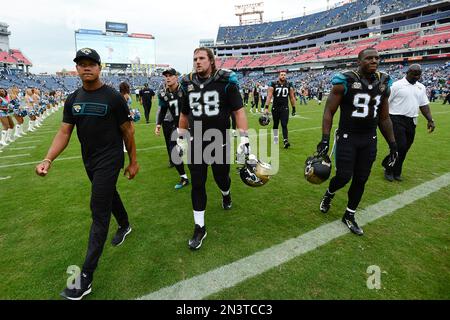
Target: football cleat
[[78, 294], [317, 169], [183, 183], [226, 202], [388, 175], [349, 220], [197, 239], [325, 204], [286, 144], [120, 236]]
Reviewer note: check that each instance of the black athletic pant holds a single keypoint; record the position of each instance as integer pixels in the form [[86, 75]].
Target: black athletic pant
[[447, 99], [168, 128], [255, 102], [404, 132], [263, 102], [199, 174], [147, 109], [281, 114], [104, 200], [355, 154], [246, 99]]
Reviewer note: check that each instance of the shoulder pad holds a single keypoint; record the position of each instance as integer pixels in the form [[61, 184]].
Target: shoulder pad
[[227, 76], [341, 78], [185, 81]]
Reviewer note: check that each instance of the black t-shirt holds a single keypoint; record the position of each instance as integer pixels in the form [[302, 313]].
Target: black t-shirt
[[98, 116], [146, 94], [211, 101]]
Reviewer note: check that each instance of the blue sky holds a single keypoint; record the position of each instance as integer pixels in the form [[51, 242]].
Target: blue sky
[[44, 31]]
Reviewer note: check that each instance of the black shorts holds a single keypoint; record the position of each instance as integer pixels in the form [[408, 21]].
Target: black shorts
[[355, 153]]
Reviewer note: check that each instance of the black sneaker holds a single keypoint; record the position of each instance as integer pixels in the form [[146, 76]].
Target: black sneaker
[[349, 220], [183, 183], [78, 294], [286, 144], [199, 234], [325, 204], [226, 202], [388, 176], [398, 178], [120, 236]]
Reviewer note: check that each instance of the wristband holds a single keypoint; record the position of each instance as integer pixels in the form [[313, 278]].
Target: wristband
[[47, 160], [245, 140], [326, 138]]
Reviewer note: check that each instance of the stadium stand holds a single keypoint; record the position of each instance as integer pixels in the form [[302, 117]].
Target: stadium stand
[[347, 13]]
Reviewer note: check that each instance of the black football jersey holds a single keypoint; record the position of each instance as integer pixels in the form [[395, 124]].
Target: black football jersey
[[171, 101], [211, 101], [362, 98], [281, 93]]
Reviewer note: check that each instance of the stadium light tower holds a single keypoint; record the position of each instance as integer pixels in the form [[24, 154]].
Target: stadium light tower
[[249, 13]]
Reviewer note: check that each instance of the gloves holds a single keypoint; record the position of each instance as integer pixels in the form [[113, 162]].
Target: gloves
[[243, 150], [181, 146], [393, 154], [293, 111], [431, 126], [324, 145]]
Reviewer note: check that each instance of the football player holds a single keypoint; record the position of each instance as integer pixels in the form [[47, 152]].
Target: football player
[[171, 100], [281, 91], [362, 96], [211, 95]]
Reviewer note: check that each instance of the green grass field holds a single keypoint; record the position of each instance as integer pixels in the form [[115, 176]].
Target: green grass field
[[44, 224]]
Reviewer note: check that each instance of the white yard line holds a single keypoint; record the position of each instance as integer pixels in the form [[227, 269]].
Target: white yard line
[[64, 159], [29, 141], [5, 178], [214, 281], [16, 156], [22, 148]]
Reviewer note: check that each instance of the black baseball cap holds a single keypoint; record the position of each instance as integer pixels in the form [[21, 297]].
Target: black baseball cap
[[170, 71], [87, 53]]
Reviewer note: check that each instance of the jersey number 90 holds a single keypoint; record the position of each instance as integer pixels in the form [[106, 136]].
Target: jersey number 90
[[210, 107]]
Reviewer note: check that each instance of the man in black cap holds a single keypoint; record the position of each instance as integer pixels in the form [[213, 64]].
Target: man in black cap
[[146, 95], [103, 123], [170, 102]]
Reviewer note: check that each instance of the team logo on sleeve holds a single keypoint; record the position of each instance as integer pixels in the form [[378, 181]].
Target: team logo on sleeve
[[382, 88], [77, 108], [190, 88]]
